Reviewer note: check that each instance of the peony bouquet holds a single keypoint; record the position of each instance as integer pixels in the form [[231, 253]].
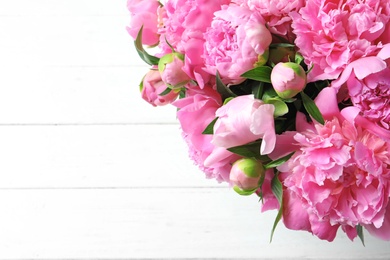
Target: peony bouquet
[[288, 100]]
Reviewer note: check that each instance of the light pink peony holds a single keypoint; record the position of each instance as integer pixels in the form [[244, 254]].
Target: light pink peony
[[246, 174], [340, 176], [235, 42], [245, 119], [276, 14], [288, 79], [195, 112], [144, 13], [332, 34], [151, 88]]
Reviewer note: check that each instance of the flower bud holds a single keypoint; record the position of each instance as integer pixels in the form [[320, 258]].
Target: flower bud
[[246, 175], [171, 69], [288, 79], [152, 87]]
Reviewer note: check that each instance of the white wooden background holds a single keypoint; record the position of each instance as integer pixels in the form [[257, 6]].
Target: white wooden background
[[90, 171]]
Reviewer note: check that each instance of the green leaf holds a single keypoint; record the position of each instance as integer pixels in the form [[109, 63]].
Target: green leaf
[[248, 150], [282, 45], [277, 190], [209, 130], [278, 162], [149, 59], [223, 89], [359, 230], [262, 73], [312, 108], [269, 93], [257, 90], [281, 107]]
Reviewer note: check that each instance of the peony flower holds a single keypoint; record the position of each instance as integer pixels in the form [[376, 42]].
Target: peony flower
[[288, 79], [245, 119], [235, 42], [340, 176], [144, 13], [276, 13], [185, 22], [171, 69], [195, 112], [368, 87], [330, 34], [151, 88], [246, 175], [372, 96]]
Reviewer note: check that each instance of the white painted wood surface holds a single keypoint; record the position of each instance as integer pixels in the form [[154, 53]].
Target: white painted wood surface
[[90, 171]]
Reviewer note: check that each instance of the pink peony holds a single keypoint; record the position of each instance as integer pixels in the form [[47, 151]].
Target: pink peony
[[195, 112], [288, 79], [372, 96], [184, 23], [246, 175], [339, 176], [276, 14], [171, 69], [151, 88], [245, 119], [368, 86], [235, 42], [144, 13], [332, 34]]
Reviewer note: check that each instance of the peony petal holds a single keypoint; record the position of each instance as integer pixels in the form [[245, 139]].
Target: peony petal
[[384, 231], [326, 102], [295, 217]]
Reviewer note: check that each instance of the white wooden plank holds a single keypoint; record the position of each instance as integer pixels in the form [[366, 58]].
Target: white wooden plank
[[157, 223], [77, 95], [96, 156], [62, 8], [36, 41]]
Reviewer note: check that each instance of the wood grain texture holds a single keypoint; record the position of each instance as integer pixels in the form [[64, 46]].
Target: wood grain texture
[[155, 223]]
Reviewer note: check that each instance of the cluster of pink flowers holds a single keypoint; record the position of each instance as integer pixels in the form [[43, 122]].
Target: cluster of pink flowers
[[285, 100]]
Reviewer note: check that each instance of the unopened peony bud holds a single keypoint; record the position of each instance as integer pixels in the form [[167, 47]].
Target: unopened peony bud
[[152, 87], [246, 175], [288, 79], [171, 69]]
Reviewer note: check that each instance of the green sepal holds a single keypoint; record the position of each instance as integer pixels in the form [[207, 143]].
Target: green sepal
[[298, 58], [360, 233], [165, 92], [243, 192], [279, 161], [209, 130], [312, 108], [149, 59], [222, 89], [262, 73], [277, 190]]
